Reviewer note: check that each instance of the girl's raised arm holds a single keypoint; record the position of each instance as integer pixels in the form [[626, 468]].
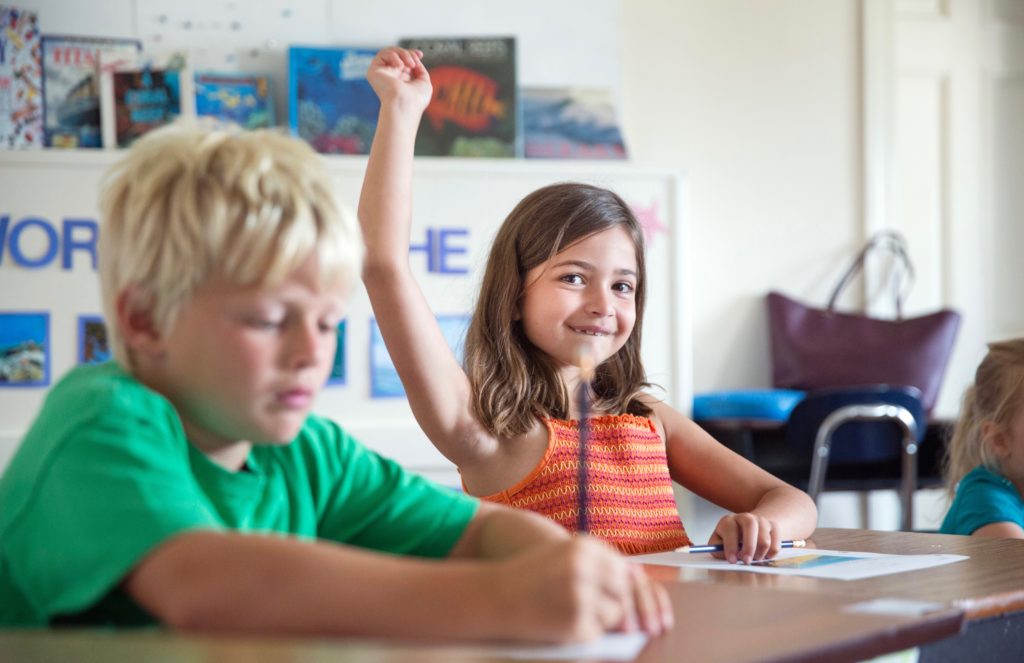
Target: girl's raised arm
[[437, 387]]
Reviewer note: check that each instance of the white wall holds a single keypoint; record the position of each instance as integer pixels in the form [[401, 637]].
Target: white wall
[[758, 103]]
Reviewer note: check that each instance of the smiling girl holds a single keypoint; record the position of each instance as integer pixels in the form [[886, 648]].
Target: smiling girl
[[565, 275]]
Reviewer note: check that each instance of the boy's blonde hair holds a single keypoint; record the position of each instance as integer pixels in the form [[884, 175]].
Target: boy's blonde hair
[[995, 396], [194, 201]]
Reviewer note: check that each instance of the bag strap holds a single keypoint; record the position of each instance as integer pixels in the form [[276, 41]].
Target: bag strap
[[902, 273]]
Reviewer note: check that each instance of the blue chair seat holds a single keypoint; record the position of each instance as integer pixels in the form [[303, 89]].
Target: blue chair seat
[[763, 404]]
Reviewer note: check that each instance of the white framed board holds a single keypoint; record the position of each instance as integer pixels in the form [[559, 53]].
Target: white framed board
[[48, 228]]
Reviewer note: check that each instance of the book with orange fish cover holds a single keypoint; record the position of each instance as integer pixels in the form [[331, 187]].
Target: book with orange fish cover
[[473, 111]]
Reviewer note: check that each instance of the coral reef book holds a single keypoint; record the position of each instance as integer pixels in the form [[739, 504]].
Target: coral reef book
[[330, 103], [570, 123], [473, 111], [243, 99], [71, 86], [21, 74]]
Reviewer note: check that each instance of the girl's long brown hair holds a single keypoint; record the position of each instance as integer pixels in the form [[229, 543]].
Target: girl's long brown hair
[[995, 397], [512, 380]]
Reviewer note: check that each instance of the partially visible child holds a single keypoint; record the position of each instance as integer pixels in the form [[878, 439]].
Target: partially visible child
[[188, 484], [985, 457], [565, 277]]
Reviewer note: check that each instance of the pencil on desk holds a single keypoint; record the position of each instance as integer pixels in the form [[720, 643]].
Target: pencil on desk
[[718, 547], [585, 361]]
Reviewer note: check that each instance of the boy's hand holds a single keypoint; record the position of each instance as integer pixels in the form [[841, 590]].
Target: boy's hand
[[747, 537], [398, 76], [577, 590]]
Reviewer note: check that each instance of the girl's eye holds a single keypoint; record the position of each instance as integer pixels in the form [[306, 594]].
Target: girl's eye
[[574, 279], [327, 327], [623, 287]]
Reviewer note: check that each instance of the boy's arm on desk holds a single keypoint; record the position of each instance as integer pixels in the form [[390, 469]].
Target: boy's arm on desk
[[227, 582]]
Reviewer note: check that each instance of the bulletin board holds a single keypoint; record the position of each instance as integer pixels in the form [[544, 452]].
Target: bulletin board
[[48, 215]]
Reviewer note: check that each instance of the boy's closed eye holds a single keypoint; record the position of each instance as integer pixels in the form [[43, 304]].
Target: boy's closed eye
[[261, 319]]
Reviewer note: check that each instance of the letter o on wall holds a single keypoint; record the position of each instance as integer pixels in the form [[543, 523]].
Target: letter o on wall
[[48, 254]]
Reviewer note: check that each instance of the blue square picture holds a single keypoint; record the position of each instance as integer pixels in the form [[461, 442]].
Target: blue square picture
[[384, 380], [24, 349], [93, 344]]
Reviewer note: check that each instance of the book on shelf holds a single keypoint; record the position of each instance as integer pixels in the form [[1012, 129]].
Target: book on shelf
[[241, 98], [71, 86], [21, 74], [473, 109], [137, 98], [570, 123], [330, 103]]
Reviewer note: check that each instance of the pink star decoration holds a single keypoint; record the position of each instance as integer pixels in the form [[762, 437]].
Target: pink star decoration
[[650, 220]]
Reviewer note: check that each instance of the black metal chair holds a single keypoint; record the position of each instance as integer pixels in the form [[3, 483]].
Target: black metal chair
[[854, 436]]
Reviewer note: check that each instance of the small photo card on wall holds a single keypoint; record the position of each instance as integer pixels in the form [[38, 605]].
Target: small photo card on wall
[[24, 349], [337, 376], [384, 380], [93, 345]]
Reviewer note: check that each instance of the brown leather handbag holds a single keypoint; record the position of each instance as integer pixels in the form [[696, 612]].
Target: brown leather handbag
[[813, 348]]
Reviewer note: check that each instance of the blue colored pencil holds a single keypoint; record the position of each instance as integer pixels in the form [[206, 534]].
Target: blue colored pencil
[[718, 547], [586, 364]]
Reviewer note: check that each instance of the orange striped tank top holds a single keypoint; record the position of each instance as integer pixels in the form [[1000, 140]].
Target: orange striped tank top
[[630, 502]]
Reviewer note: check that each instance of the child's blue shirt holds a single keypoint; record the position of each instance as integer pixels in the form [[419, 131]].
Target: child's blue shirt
[[983, 497]]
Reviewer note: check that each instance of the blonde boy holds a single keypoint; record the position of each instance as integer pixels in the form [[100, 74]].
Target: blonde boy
[[187, 483]]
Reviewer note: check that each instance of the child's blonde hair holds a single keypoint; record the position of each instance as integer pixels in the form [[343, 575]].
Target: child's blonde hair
[[994, 397], [193, 201]]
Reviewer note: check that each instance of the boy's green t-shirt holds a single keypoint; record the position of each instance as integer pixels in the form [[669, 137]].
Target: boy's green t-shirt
[[105, 474]]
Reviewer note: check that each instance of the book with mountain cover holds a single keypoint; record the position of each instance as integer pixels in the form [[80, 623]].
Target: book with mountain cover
[[570, 123], [473, 110]]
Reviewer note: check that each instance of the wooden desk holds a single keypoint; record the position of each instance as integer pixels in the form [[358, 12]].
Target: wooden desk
[[716, 621], [988, 587]]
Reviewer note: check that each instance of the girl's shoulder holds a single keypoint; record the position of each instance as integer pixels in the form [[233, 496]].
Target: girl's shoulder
[[662, 414]]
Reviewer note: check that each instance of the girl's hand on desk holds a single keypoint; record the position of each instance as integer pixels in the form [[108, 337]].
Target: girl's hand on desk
[[747, 537], [577, 590]]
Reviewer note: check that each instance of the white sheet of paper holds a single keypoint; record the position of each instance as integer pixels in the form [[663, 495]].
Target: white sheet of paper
[[611, 647], [811, 562]]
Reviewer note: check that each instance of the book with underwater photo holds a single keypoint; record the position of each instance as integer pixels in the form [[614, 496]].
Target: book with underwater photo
[[330, 103]]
